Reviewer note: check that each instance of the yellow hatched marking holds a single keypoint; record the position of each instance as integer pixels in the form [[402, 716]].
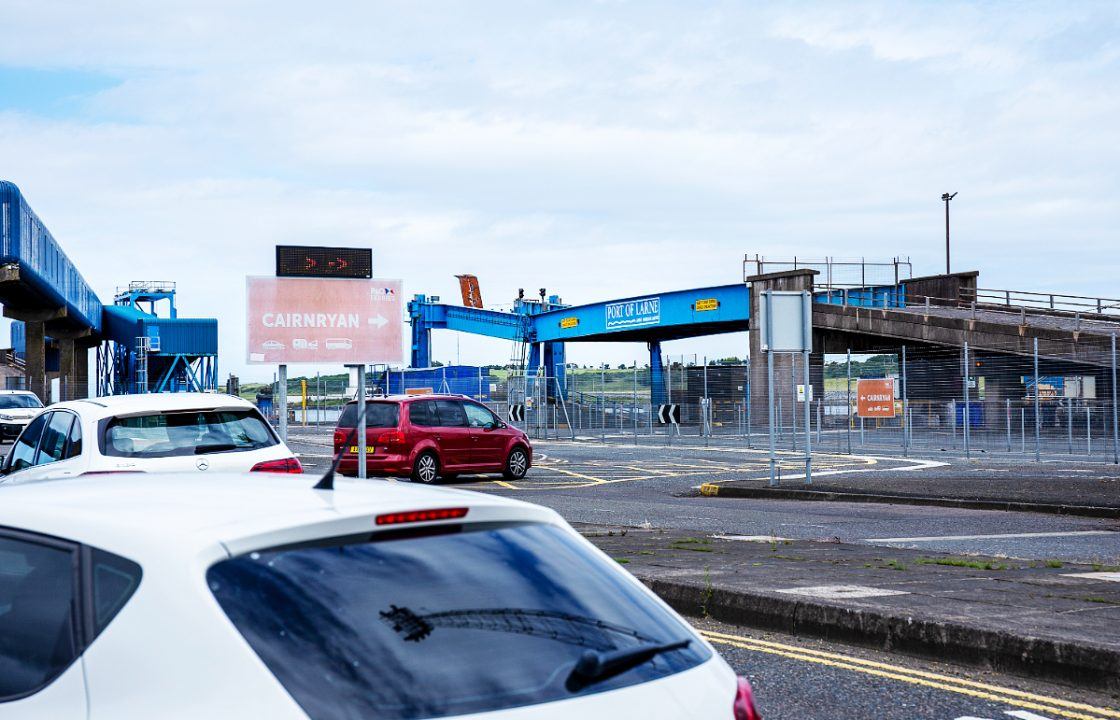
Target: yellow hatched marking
[[993, 693]]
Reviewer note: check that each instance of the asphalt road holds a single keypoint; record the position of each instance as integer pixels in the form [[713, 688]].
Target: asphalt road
[[624, 485], [799, 679]]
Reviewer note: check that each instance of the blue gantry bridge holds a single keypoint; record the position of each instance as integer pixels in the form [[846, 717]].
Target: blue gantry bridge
[[57, 318], [849, 314]]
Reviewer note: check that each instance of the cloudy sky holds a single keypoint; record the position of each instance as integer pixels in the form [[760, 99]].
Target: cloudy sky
[[598, 149]]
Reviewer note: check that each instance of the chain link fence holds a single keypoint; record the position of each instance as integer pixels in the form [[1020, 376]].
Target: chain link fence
[[1012, 402]]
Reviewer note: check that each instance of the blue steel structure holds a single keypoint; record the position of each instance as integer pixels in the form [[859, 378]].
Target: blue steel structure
[[58, 317], [652, 319], [144, 353], [36, 272]]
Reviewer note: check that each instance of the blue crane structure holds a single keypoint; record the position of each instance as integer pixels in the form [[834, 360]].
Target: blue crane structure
[[144, 352], [546, 325], [58, 318]]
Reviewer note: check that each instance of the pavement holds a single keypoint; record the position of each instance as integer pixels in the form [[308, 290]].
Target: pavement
[[1050, 620], [1057, 486]]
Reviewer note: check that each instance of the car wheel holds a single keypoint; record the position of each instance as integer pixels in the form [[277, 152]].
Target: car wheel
[[517, 464], [426, 468]]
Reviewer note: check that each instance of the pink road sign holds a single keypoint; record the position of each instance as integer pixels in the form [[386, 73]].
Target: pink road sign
[[311, 320]]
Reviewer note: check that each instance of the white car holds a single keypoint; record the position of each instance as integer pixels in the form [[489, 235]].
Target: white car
[[238, 596], [168, 432], [17, 407]]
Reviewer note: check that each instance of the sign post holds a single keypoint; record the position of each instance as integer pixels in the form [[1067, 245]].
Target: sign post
[[360, 423], [787, 325], [282, 402]]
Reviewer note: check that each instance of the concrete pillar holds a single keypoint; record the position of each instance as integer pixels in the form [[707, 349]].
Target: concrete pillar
[[66, 379], [785, 384], [35, 359], [80, 387]]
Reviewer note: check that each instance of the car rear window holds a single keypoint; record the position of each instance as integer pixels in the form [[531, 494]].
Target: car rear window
[[445, 621], [378, 415], [197, 432]]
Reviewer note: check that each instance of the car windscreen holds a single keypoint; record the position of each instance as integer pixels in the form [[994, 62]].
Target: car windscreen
[[19, 402], [378, 415], [195, 432], [443, 622]]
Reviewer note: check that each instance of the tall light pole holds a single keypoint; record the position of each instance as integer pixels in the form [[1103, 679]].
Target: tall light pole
[[947, 197]]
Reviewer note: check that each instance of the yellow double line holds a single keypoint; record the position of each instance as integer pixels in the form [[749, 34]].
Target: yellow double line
[[980, 691]]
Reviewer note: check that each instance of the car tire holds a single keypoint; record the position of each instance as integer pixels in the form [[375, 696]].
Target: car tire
[[517, 464], [426, 468]]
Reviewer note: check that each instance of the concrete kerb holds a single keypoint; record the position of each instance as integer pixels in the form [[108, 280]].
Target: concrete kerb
[[1075, 663], [716, 490]]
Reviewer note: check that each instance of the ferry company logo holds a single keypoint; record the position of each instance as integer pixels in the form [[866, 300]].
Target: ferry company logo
[[382, 294]]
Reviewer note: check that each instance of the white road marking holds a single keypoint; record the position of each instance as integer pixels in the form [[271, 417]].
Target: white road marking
[[841, 592], [1020, 714], [751, 538], [1105, 576], [1071, 533]]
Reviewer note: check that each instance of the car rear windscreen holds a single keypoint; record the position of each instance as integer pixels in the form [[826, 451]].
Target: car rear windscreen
[[443, 621], [378, 415], [196, 432]]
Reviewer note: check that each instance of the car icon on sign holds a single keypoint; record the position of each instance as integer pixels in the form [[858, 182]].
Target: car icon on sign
[[272, 345]]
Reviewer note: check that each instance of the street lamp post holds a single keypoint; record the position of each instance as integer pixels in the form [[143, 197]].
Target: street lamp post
[[947, 197]]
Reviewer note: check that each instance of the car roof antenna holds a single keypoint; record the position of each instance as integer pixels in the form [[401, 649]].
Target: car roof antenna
[[327, 481]]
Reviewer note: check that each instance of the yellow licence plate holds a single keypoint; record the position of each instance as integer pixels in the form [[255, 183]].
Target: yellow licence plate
[[370, 449]]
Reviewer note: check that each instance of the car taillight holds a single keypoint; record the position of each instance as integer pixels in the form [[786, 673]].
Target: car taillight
[[393, 437], [744, 701], [340, 436], [415, 516], [287, 465]]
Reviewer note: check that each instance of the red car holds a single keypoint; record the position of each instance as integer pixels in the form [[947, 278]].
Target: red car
[[427, 437]]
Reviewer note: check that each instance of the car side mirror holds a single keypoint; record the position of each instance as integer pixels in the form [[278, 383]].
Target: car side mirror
[[490, 426]]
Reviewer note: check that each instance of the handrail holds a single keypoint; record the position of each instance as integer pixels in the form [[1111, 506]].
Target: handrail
[[888, 300], [1048, 301]]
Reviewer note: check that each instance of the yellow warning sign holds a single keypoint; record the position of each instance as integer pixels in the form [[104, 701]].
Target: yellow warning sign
[[569, 322], [707, 304]]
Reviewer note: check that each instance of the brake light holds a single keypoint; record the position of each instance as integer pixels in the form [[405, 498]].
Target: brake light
[[744, 701], [339, 438], [393, 437], [415, 516], [287, 465]]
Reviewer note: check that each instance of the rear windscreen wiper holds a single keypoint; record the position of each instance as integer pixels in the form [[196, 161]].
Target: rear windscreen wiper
[[593, 667]]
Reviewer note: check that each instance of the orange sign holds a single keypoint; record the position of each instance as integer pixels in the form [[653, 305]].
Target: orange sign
[[875, 398], [472, 295], [312, 320]]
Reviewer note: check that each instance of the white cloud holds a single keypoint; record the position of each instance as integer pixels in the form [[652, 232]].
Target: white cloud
[[599, 150]]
